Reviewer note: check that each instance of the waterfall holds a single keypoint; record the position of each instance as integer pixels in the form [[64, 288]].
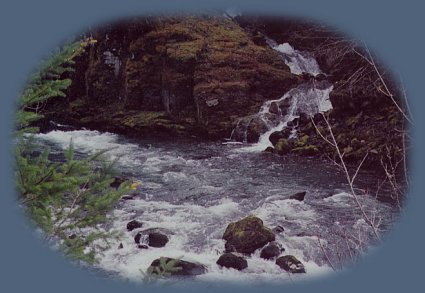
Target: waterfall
[[308, 98]]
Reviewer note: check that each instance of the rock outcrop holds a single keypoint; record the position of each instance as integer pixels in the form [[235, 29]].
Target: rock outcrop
[[172, 75]]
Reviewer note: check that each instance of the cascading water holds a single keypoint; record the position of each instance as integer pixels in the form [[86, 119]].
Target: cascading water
[[193, 190], [308, 98]]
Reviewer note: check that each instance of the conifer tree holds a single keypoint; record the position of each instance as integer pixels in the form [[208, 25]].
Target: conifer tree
[[67, 199]]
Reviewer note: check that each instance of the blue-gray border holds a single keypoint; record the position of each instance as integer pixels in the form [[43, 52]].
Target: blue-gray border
[[31, 29]]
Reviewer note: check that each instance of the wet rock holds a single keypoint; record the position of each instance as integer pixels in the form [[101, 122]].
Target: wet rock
[[177, 267], [290, 264], [247, 235], [133, 225], [230, 260], [292, 123], [271, 250], [256, 127], [127, 197], [275, 136], [121, 246], [137, 238], [269, 150], [282, 146], [278, 229], [117, 182], [157, 239], [142, 246], [298, 196], [274, 108], [320, 77]]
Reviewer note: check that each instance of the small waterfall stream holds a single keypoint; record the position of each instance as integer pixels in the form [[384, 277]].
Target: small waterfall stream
[[308, 98]]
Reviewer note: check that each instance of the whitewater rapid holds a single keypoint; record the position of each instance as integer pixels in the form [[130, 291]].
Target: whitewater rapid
[[194, 190]]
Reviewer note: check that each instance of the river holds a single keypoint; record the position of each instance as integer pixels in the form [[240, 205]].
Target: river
[[194, 189]]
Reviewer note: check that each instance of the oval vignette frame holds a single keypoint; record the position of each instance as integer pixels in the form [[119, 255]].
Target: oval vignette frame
[[365, 263]]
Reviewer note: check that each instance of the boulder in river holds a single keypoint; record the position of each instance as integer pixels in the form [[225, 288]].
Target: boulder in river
[[275, 136], [290, 264], [247, 235], [298, 196], [156, 239], [117, 182], [166, 266], [231, 260], [137, 237], [269, 150], [133, 225], [271, 250], [282, 146]]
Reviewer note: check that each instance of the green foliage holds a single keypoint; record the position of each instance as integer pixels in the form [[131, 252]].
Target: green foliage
[[46, 83], [166, 267], [67, 200]]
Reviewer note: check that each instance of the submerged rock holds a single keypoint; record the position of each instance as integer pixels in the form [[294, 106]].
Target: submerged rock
[[298, 196], [247, 235], [271, 250], [133, 225], [230, 260], [176, 267], [278, 229], [142, 246], [290, 264], [156, 239]]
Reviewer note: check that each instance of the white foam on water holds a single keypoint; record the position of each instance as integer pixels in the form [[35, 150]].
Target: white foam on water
[[297, 61], [195, 235], [306, 98], [91, 142]]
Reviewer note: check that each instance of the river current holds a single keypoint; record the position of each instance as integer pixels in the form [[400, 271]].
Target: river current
[[193, 190]]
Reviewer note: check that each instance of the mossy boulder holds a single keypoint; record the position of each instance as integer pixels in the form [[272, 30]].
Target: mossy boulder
[[247, 235], [166, 266], [290, 264], [282, 146], [275, 136]]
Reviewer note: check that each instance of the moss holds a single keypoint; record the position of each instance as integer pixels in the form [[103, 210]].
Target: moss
[[184, 51], [302, 141], [144, 118], [282, 146], [307, 150]]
